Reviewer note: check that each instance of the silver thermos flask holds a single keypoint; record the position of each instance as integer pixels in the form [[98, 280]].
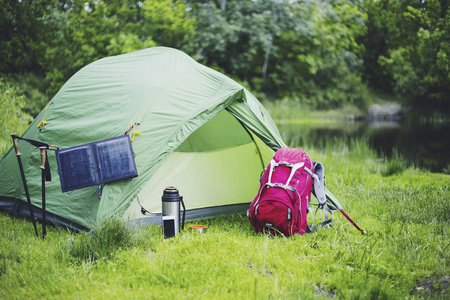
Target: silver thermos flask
[[171, 200]]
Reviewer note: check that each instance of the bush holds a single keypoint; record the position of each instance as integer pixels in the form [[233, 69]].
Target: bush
[[30, 87], [14, 119]]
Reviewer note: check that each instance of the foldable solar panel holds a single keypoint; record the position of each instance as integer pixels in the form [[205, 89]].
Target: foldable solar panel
[[96, 163]]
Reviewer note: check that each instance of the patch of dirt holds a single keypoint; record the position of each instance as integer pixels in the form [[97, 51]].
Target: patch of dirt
[[264, 273], [322, 292], [434, 286]]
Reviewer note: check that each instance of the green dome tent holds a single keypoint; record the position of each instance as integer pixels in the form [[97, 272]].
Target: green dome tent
[[195, 129]]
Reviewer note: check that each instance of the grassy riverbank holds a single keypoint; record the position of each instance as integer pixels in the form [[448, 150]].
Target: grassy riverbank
[[288, 110], [404, 254]]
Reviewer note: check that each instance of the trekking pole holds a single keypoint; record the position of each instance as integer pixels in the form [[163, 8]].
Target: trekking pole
[[42, 166], [351, 221], [27, 194]]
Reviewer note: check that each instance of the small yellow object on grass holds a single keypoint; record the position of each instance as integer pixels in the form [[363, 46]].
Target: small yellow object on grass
[[197, 228]]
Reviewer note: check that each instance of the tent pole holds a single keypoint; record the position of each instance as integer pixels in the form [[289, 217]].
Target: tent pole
[[254, 142]]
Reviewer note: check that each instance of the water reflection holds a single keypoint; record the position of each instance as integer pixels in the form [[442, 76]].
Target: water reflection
[[422, 145]]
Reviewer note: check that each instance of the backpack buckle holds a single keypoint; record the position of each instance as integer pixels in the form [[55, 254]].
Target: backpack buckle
[[268, 224]]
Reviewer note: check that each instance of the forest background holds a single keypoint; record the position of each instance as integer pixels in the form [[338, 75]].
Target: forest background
[[320, 53]]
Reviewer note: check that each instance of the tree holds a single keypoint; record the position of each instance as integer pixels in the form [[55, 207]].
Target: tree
[[238, 36], [320, 61], [168, 22], [413, 50], [84, 31], [21, 30], [295, 49]]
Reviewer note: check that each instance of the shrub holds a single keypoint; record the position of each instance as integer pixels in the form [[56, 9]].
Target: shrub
[[14, 119]]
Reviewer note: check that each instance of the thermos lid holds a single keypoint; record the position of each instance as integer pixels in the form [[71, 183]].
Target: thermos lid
[[171, 194]]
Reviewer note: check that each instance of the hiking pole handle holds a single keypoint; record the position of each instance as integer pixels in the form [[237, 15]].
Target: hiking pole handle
[[43, 157], [16, 144], [129, 129]]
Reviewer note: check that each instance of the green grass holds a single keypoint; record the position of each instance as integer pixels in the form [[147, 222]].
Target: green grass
[[404, 210], [405, 214], [294, 111]]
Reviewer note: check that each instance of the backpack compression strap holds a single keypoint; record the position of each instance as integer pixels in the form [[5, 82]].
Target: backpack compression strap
[[319, 183], [319, 192]]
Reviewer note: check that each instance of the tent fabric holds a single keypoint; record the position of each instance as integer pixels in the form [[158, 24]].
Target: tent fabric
[[199, 130]]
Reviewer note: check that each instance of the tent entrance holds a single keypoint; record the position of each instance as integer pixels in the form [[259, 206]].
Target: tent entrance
[[216, 166]]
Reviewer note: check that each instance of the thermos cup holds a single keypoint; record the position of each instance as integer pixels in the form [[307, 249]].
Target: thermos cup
[[171, 200]]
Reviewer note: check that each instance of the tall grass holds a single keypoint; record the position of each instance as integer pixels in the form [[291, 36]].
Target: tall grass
[[103, 242]]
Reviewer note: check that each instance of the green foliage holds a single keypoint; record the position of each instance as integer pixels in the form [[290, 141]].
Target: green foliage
[[81, 32], [408, 43], [325, 66], [31, 87], [167, 22], [320, 53], [21, 32], [308, 50], [126, 43], [14, 119]]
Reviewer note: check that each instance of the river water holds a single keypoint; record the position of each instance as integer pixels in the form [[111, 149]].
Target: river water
[[426, 146]]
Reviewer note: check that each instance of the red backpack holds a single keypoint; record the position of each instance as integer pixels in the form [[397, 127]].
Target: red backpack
[[282, 202]]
